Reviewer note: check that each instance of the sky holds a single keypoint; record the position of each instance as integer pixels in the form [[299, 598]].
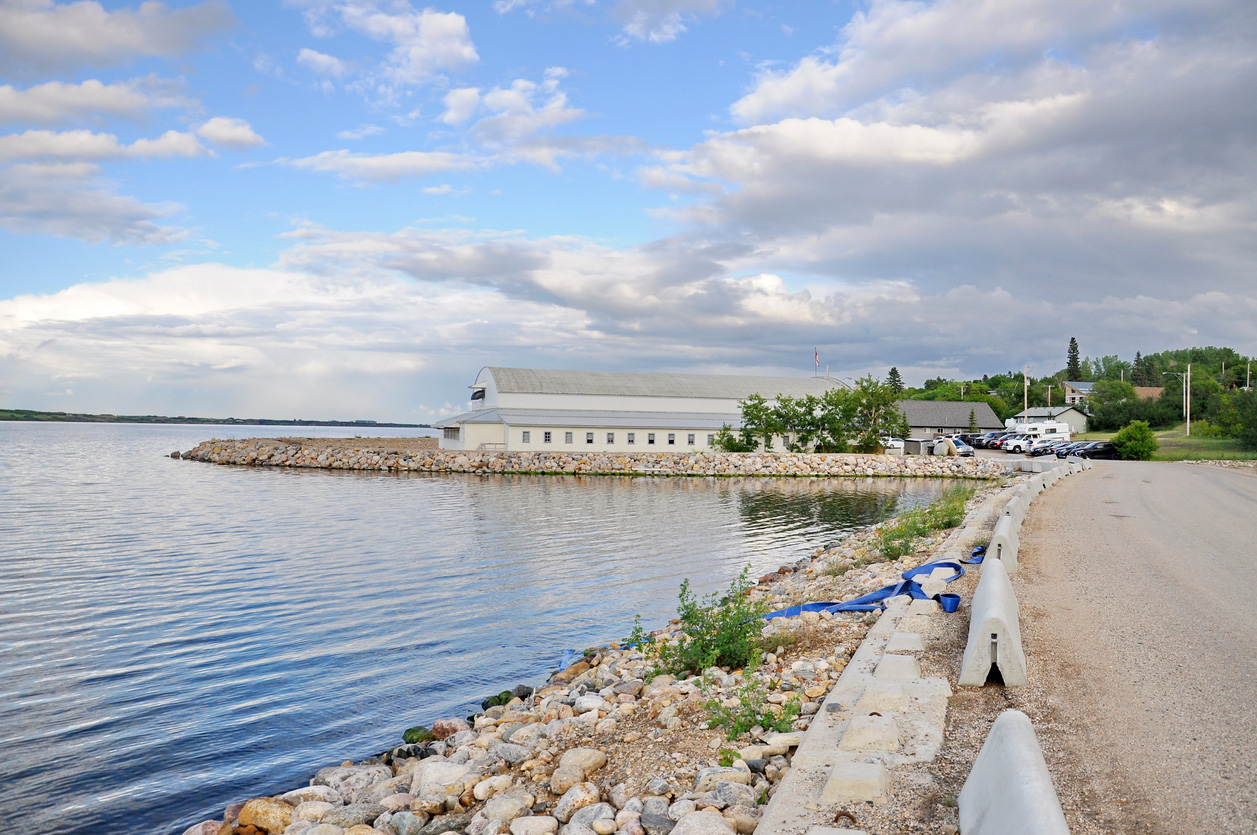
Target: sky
[[343, 209]]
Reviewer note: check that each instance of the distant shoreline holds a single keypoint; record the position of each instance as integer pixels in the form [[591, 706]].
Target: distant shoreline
[[31, 416]]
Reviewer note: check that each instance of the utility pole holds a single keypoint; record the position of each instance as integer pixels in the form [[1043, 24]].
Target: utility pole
[[1025, 384], [1188, 393]]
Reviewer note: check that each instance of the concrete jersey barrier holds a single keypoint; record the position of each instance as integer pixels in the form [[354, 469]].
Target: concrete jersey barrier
[[994, 632], [1005, 542], [1009, 789]]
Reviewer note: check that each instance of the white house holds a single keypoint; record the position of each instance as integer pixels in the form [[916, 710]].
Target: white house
[[535, 410]]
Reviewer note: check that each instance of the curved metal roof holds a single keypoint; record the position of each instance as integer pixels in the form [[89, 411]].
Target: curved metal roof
[[718, 386]]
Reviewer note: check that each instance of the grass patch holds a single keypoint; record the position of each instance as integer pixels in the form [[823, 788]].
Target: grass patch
[[1177, 445], [899, 537]]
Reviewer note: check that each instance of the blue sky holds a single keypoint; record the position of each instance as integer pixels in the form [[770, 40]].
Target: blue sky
[[343, 208]]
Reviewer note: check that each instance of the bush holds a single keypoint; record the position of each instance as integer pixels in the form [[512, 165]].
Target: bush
[[1135, 442], [716, 632], [752, 709]]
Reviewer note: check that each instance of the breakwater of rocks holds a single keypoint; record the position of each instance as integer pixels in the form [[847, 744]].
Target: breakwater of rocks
[[376, 455], [607, 746]]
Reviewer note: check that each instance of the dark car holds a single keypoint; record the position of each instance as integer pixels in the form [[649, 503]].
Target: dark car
[[1048, 449], [972, 439], [998, 441], [1098, 449], [1071, 449]]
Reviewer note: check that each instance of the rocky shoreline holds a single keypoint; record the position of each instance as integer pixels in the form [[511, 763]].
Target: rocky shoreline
[[376, 455], [605, 746]]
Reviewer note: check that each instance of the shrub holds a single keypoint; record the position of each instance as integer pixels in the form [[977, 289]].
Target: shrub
[[715, 632], [1135, 442]]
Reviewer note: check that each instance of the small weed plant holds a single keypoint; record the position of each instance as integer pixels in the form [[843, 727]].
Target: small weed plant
[[752, 709], [716, 632]]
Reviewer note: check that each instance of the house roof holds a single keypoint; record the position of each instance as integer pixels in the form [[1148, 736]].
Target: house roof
[[1047, 412], [718, 386], [1085, 388], [1149, 392], [944, 413], [595, 419]]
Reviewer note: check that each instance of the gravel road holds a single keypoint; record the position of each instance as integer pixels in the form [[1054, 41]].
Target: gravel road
[[1139, 609]]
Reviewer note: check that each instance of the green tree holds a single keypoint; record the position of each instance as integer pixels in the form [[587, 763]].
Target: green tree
[[895, 381], [973, 420], [1110, 391], [1073, 364], [759, 422], [1245, 405], [1135, 442], [727, 440], [835, 420], [877, 414], [798, 419]]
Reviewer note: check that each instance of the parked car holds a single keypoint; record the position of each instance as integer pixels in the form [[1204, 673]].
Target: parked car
[[1017, 443], [892, 443], [1071, 449], [1042, 446], [972, 439], [1099, 449], [998, 441], [989, 437], [963, 449]]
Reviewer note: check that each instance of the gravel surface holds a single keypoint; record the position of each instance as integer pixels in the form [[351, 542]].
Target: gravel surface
[[1138, 595]]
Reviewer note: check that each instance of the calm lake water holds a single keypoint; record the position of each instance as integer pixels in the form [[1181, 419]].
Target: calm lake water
[[175, 636]]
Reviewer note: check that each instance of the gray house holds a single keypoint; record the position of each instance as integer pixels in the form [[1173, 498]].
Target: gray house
[[929, 418], [1066, 414]]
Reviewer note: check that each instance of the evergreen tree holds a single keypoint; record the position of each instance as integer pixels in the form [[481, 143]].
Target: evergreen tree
[[1137, 372], [1073, 364], [973, 420], [894, 380]]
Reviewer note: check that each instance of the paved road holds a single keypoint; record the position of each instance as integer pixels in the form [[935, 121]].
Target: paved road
[[1140, 609]]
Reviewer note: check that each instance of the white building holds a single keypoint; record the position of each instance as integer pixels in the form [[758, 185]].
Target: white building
[[537, 410], [1068, 414]]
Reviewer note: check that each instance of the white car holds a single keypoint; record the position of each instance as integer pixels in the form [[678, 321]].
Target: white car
[[1018, 443], [892, 443]]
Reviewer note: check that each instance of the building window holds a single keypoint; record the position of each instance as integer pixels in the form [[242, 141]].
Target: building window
[[610, 437], [589, 437], [711, 440], [567, 437], [672, 439], [689, 439], [650, 437], [545, 436], [632, 438], [451, 433], [527, 437]]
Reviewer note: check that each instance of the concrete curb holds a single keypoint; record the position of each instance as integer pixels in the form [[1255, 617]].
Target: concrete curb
[[1010, 789], [994, 632], [1015, 509]]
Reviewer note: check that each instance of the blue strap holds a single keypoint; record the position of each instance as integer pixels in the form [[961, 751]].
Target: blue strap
[[976, 555], [872, 601]]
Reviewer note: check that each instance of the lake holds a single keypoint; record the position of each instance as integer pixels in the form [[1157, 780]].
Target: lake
[[175, 636]]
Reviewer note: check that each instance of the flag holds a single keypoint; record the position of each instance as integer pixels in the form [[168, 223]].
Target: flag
[[818, 358]]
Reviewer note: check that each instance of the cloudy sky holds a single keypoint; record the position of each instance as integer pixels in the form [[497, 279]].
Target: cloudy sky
[[344, 208]]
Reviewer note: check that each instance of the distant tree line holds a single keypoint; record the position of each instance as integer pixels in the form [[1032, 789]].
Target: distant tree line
[[840, 420]]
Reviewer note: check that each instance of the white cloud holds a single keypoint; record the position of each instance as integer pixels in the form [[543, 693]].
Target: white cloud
[[53, 102], [660, 21], [321, 64], [86, 145], [232, 133], [657, 21], [386, 167], [360, 132], [425, 43], [522, 110], [43, 36], [460, 105]]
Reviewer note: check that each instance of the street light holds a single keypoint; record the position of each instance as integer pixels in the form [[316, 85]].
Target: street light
[[1187, 401]]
